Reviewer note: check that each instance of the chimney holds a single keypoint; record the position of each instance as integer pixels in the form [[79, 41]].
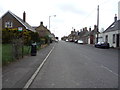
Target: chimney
[[119, 10], [24, 16], [41, 23], [115, 18], [85, 28], [74, 30], [89, 28], [95, 27]]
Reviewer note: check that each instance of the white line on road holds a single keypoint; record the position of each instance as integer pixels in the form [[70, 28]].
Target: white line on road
[[109, 70], [37, 71]]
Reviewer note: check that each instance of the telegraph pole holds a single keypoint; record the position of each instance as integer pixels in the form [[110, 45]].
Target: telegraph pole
[[97, 23]]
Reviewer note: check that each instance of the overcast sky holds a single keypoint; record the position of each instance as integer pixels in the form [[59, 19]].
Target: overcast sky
[[69, 13]]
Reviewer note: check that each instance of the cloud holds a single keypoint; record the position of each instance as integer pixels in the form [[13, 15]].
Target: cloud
[[71, 9]]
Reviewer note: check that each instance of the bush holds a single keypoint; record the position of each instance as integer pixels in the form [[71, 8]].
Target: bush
[[28, 36]]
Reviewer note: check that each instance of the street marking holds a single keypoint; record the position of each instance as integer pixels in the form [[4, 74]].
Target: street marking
[[37, 71], [109, 70]]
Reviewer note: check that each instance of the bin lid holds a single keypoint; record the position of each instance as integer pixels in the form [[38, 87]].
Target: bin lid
[[34, 43]]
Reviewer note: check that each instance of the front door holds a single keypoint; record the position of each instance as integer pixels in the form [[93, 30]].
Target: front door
[[91, 39], [117, 40]]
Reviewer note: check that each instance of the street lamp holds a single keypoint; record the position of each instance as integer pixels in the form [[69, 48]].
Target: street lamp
[[49, 20]]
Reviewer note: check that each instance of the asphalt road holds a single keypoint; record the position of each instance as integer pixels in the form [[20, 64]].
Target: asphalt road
[[73, 65]]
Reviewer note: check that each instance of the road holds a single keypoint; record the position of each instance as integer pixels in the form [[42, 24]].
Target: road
[[73, 65]]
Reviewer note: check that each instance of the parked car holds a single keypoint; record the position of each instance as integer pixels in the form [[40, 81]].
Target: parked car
[[66, 40], [56, 40], [102, 45], [71, 40], [80, 42], [75, 41]]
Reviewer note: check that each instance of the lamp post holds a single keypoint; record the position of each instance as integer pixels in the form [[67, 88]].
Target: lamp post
[[49, 20]]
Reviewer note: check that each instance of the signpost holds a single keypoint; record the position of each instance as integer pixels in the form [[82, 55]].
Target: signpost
[[21, 30]]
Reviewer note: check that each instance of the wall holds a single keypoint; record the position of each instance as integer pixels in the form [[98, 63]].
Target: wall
[[110, 38]]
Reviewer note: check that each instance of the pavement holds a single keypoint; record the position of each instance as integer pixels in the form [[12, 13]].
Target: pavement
[[16, 74]]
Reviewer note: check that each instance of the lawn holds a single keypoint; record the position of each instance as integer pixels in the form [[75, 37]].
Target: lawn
[[7, 53]]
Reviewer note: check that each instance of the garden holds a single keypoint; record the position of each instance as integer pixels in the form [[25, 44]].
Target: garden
[[16, 44]]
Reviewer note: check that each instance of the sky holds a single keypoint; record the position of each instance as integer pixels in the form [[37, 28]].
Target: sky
[[70, 14]]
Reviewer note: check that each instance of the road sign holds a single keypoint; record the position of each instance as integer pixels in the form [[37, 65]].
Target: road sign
[[20, 29]]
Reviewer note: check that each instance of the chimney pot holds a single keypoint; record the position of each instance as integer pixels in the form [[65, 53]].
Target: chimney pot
[[41, 23], [115, 18], [95, 27], [85, 28], [89, 28]]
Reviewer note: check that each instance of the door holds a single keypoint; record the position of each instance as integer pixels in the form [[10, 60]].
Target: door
[[91, 39], [117, 40]]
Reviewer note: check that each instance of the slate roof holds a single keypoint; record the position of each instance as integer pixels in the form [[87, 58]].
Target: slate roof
[[113, 27], [27, 26]]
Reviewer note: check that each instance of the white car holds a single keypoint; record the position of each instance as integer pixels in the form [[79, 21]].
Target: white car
[[56, 40], [66, 40], [80, 42]]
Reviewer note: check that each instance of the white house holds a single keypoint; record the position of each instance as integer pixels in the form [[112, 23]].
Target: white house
[[112, 34]]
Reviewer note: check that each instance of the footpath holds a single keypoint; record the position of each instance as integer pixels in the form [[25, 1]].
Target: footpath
[[16, 74]]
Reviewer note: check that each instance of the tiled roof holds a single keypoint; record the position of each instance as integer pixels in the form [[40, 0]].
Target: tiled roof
[[27, 26], [113, 27]]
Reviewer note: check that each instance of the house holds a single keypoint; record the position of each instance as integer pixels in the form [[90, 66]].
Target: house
[[83, 35], [10, 20], [92, 35], [42, 30], [112, 33], [52, 36], [88, 37], [45, 34], [73, 35]]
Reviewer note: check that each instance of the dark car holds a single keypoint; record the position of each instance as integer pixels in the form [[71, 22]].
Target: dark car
[[102, 45]]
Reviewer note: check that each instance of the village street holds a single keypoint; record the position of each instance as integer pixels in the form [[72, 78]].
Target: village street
[[73, 65], [69, 65]]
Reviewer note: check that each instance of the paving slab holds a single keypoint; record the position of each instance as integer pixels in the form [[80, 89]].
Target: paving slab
[[16, 74]]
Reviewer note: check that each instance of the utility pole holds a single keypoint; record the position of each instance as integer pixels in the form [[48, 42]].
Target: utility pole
[[97, 23]]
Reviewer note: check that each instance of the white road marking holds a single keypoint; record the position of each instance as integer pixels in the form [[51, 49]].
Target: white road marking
[[109, 70], [37, 71]]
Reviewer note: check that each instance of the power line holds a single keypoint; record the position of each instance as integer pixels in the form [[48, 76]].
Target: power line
[[94, 10]]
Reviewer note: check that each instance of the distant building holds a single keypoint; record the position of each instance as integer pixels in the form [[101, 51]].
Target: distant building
[[42, 30], [10, 20], [88, 37], [93, 35]]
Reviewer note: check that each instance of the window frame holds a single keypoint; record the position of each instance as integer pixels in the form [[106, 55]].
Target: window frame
[[8, 24]]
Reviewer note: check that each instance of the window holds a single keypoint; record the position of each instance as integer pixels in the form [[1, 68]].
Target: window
[[8, 24], [113, 38]]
